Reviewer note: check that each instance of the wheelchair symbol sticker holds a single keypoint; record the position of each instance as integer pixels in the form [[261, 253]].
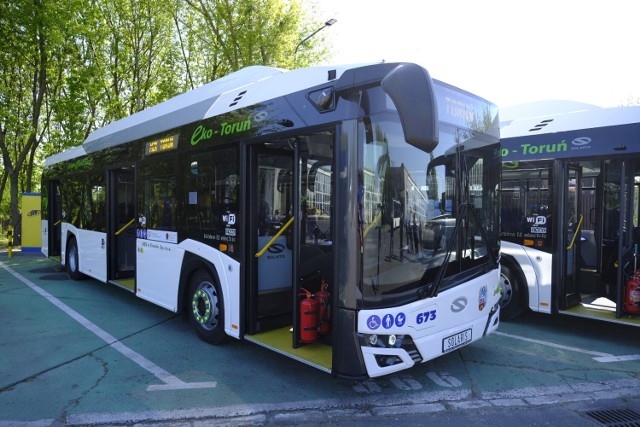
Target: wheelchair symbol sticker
[[373, 322]]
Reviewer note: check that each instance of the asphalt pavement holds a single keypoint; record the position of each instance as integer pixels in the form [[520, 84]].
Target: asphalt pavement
[[83, 353]]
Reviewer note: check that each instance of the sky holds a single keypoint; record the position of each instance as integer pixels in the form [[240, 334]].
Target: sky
[[510, 52]]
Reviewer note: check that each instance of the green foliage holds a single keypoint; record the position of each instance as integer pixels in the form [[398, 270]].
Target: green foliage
[[68, 67]]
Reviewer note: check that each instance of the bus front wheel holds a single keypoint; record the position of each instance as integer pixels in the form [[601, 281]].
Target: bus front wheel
[[205, 308], [511, 301]]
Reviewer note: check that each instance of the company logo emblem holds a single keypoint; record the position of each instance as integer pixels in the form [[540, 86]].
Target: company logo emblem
[[583, 140], [276, 248], [459, 304]]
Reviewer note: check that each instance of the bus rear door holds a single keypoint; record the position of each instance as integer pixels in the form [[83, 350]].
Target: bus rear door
[[122, 228], [55, 219]]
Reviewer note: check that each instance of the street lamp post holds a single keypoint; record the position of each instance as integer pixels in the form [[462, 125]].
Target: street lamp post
[[329, 23]]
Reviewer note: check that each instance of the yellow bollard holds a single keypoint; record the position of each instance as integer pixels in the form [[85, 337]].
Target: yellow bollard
[[10, 241]]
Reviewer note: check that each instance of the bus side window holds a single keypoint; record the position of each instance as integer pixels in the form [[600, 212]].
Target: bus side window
[[213, 182], [159, 203]]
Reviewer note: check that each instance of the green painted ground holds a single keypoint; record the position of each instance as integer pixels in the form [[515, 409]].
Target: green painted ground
[[54, 368]]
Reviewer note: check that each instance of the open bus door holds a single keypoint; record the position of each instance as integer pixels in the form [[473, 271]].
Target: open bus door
[[271, 280], [568, 229], [619, 221], [290, 250], [599, 240], [614, 232], [122, 228], [54, 238]]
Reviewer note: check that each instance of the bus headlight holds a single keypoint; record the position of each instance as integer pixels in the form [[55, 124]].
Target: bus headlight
[[373, 340], [392, 340], [382, 341]]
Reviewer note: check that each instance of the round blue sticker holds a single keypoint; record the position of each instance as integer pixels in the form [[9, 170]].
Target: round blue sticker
[[387, 321], [373, 322], [400, 319]]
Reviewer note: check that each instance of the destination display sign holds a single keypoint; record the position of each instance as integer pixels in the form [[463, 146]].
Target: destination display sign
[[163, 144]]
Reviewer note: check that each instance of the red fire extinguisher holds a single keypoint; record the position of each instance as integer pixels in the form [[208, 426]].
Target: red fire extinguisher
[[632, 288], [324, 310], [308, 317], [632, 294]]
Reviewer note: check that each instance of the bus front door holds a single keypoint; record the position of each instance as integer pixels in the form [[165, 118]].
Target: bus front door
[[290, 232], [122, 228], [271, 229], [617, 235]]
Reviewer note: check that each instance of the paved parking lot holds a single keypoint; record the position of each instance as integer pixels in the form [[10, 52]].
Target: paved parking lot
[[78, 353]]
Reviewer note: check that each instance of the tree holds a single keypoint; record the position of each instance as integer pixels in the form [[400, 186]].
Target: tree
[[68, 67], [233, 34], [138, 55], [25, 36]]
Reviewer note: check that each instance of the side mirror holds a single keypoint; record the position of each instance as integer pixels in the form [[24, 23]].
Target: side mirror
[[411, 89]]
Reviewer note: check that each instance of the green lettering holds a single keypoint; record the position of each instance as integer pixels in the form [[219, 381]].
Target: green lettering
[[231, 128], [562, 146], [200, 134], [528, 149]]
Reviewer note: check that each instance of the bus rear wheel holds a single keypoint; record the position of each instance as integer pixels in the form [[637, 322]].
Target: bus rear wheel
[[72, 265], [511, 301], [206, 313]]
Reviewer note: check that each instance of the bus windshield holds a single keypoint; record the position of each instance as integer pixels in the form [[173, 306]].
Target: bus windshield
[[412, 203]]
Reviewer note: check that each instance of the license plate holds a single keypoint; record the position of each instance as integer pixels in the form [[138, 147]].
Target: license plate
[[458, 340]]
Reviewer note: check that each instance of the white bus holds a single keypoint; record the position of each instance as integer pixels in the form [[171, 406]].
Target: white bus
[[342, 216], [569, 202]]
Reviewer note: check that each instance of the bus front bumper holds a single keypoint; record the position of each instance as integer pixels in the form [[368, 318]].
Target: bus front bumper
[[383, 358]]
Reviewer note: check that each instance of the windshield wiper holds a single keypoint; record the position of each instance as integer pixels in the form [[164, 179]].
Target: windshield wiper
[[463, 214], [432, 290]]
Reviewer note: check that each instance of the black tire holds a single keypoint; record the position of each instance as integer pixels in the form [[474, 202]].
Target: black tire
[[205, 307], [71, 260], [512, 302]]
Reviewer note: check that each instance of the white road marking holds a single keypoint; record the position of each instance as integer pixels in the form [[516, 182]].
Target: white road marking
[[443, 379], [626, 358], [381, 404], [171, 382], [599, 357]]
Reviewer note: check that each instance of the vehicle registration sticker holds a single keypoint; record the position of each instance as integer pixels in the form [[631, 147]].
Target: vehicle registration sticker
[[458, 340]]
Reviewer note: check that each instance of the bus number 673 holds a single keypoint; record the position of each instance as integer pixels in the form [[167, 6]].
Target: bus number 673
[[425, 317]]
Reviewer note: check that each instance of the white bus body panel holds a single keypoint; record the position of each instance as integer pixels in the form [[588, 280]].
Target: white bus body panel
[[158, 272], [273, 85], [536, 266], [92, 251], [466, 307], [44, 227], [158, 276]]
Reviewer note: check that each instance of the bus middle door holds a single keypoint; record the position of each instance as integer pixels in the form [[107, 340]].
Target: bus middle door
[[122, 228], [569, 229]]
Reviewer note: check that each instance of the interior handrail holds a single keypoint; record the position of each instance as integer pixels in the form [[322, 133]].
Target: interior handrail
[[375, 222], [575, 234], [125, 227], [273, 239]]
